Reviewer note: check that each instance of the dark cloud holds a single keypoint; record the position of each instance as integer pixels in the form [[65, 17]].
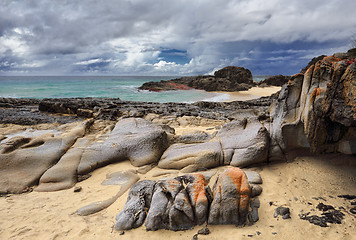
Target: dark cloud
[[169, 37]]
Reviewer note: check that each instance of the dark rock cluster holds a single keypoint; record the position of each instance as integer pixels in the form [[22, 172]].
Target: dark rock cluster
[[227, 79]]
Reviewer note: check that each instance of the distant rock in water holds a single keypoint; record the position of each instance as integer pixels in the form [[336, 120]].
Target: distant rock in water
[[228, 79], [278, 80]]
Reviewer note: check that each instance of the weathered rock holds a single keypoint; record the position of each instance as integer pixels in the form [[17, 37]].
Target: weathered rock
[[206, 155], [63, 175], [317, 110], [253, 177], [231, 194], [244, 142], [138, 201], [135, 139], [253, 214], [24, 160], [170, 207]]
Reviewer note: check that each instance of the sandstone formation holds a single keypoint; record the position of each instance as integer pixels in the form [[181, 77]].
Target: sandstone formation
[[316, 111], [23, 160], [134, 139], [239, 143], [183, 202], [227, 79]]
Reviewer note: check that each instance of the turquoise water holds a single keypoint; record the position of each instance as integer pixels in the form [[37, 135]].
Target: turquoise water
[[124, 88]]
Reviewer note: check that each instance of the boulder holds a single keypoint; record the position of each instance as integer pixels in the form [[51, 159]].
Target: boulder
[[244, 142], [23, 160], [231, 193], [138, 201], [203, 155], [138, 140]]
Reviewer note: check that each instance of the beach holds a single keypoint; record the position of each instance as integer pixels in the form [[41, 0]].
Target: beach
[[296, 184]]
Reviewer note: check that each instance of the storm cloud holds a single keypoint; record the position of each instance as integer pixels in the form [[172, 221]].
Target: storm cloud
[[160, 37]]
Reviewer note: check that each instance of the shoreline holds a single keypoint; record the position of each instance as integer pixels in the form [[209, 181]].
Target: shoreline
[[252, 93]]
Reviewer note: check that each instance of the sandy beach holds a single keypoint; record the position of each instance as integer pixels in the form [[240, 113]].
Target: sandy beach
[[252, 93], [297, 185]]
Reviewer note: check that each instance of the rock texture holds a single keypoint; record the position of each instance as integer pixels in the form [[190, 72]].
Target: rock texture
[[231, 193], [23, 160], [140, 141], [227, 79], [238, 143], [183, 202], [317, 110]]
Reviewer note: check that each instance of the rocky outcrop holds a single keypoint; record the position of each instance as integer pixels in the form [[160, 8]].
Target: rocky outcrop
[[317, 110], [140, 141], [239, 143], [23, 160], [227, 79], [278, 80], [183, 202]]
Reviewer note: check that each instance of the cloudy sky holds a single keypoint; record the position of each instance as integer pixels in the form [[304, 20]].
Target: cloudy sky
[[169, 37]]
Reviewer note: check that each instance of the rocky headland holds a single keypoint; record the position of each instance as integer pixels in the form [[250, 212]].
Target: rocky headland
[[193, 164]]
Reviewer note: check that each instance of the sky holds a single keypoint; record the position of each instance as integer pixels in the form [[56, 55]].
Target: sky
[[170, 37]]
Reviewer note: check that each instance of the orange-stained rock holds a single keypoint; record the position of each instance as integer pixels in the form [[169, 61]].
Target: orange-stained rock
[[231, 193], [199, 193]]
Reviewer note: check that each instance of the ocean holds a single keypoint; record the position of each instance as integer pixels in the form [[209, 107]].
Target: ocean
[[123, 87]]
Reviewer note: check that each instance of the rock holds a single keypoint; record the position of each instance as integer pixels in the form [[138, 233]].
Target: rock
[[138, 201], [244, 142], [253, 177], [197, 137], [253, 214], [170, 207], [206, 155], [316, 110], [24, 160], [282, 211], [278, 80], [227, 79], [231, 194], [77, 189], [63, 175], [255, 190], [177, 208], [140, 141], [204, 231], [235, 74]]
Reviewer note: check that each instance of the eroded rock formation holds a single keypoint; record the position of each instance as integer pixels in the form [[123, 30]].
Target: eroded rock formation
[[183, 202]]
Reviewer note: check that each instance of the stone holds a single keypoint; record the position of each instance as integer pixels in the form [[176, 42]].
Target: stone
[[135, 139], [230, 78], [244, 142], [134, 212], [253, 177], [253, 214], [178, 156], [231, 194], [24, 160], [282, 211]]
